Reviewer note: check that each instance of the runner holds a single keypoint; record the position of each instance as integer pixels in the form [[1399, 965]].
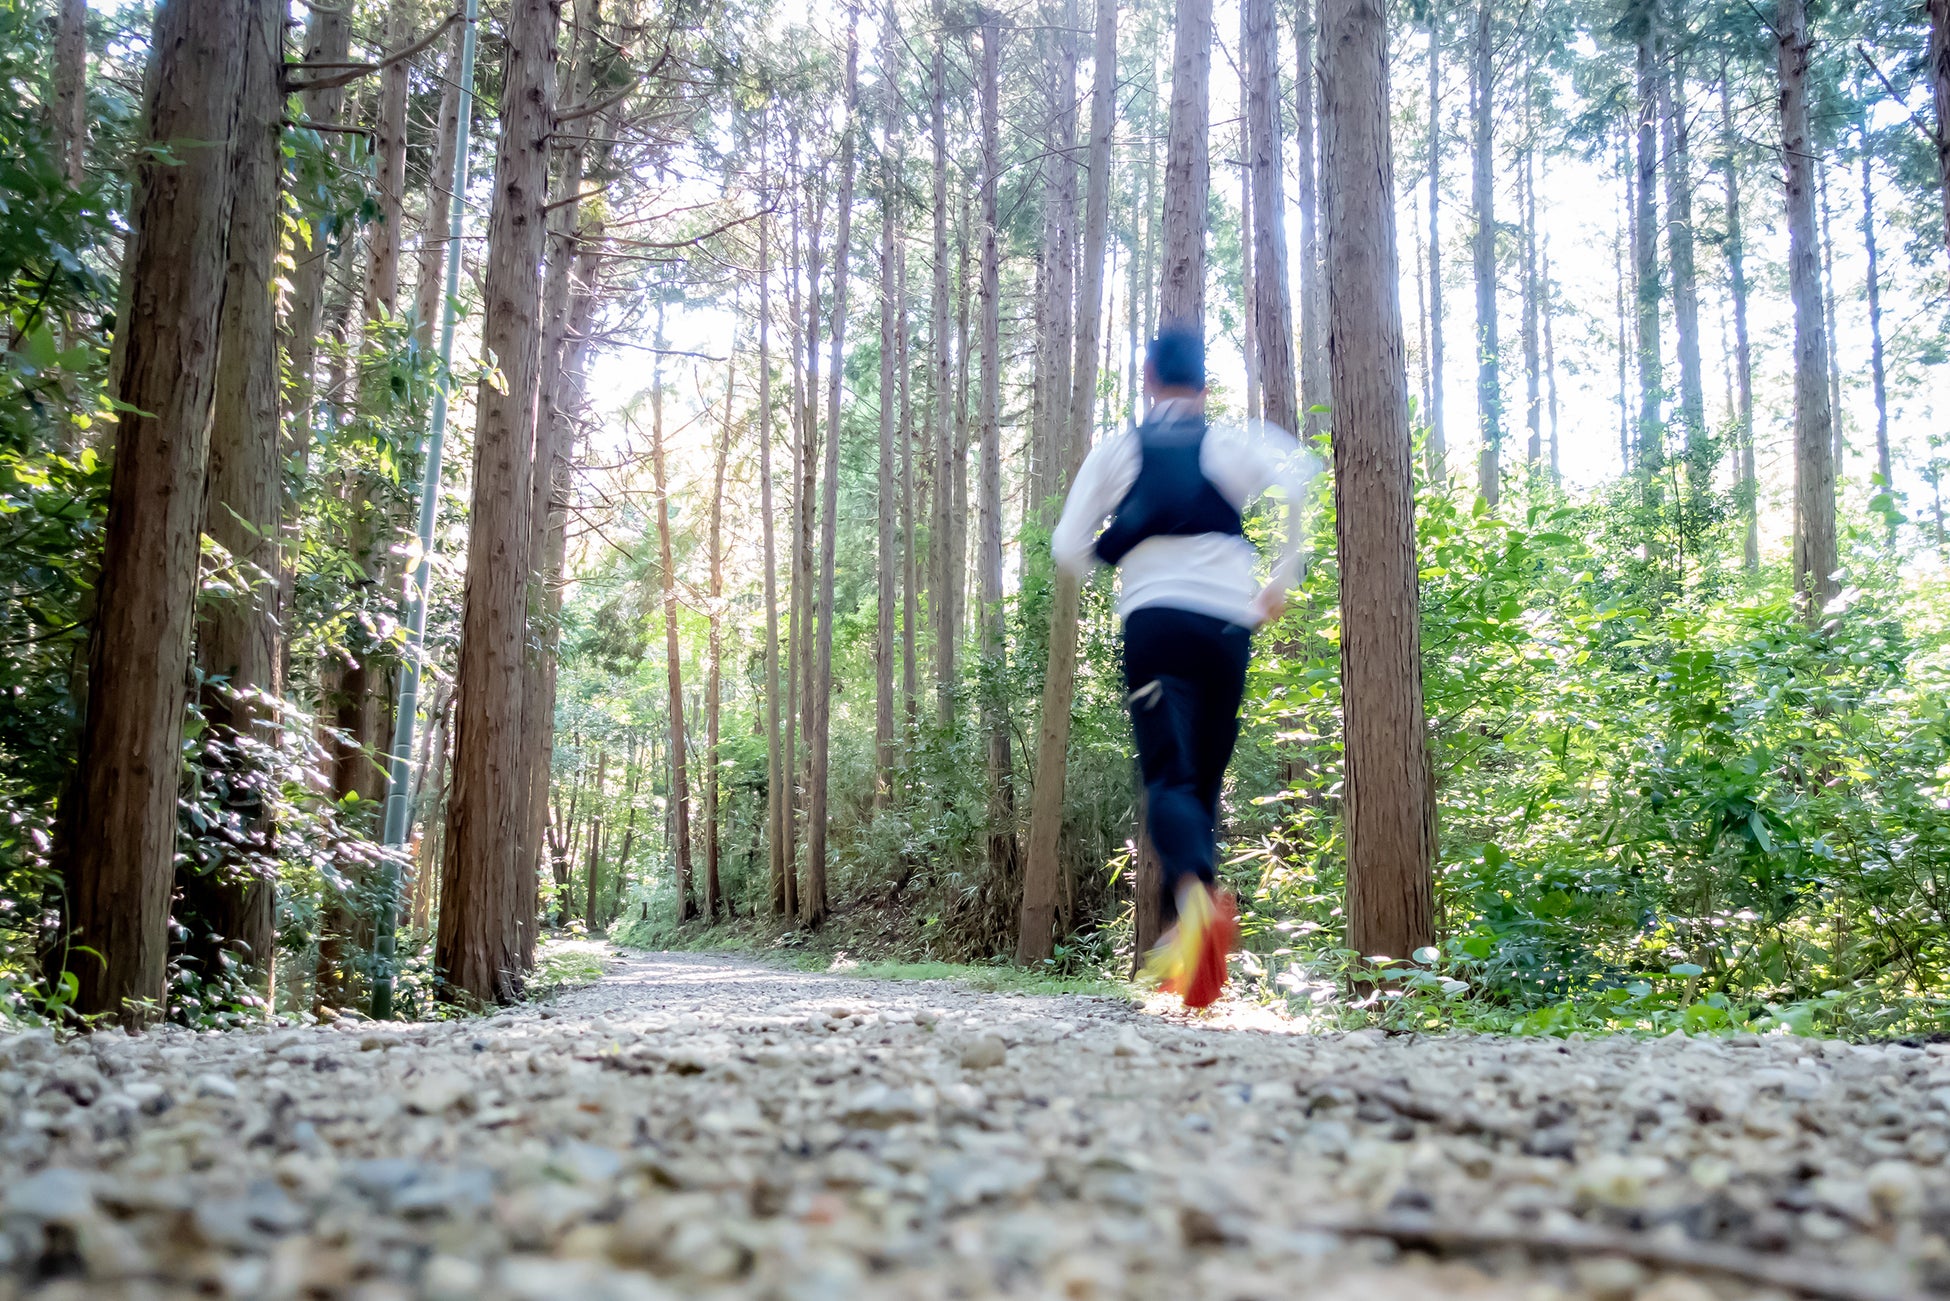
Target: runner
[[1174, 490]]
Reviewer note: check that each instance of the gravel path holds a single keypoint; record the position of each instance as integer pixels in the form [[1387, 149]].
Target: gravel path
[[707, 1126]]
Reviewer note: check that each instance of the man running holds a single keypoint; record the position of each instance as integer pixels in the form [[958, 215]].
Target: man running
[[1174, 490]]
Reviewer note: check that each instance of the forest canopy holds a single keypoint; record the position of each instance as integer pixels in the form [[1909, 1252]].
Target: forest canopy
[[470, 474]]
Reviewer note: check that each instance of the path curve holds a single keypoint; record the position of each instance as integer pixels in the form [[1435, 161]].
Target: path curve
[[710, 1126]]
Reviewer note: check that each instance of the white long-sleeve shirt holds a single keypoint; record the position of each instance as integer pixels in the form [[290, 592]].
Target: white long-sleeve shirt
[[1206, 573]]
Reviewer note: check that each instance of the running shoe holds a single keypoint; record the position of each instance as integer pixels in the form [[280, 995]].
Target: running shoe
[[1190, 960]]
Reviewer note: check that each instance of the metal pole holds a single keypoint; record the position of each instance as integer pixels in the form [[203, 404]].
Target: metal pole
[[399, 813]]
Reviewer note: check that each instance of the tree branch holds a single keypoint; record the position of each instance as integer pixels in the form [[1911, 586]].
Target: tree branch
[[590, 110], [1894, 94], [344, 74]]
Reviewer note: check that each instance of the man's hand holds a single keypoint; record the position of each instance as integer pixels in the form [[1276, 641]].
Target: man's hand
[[1269, 605]]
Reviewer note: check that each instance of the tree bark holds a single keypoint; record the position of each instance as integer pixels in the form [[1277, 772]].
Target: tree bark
[[1489, 382], [813, 908], [680, 789], [1435, 451], [68, 105], [1273, 314], [1815, 558], [1743, 356], [1188, 173], [1388, 805], [121, 814], [1042, 871], [1314, 387], [232, 904], [479, 947]]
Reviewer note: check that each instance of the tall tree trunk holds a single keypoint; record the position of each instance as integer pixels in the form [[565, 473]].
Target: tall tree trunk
[[431, 273], [1533, 405], [1831, 319], [680, 789], [328, 39], [1815, 556], [121, 814], [1685, 289], [1650, 458], [479, 948], [912, 507], [1877, 376], [563, 296], [1489, 383], [1002, 863], [808, 507], [1248, 221], [958, 459], [1042, 872], [944, 578], [714, 677], [1620, 240], [1743, 357], [1188, 172], [886, 590], [68, 104], [1435, 452], [232, 905], [1273, 315], [777, 808], [1939, 58], [1314, 387], [389, 156], [813, 908], [1550, 353], [1388, 804]]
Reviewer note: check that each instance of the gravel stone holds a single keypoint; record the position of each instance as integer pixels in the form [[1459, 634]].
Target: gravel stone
[[703, 1126]]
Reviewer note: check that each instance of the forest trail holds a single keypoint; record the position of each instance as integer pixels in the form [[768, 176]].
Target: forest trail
[[705, 1125]]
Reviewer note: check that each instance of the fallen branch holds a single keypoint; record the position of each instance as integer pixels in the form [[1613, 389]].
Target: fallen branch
[[344, 74], [1796, 1277]]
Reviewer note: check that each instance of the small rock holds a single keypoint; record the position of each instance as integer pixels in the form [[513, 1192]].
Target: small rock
[[1129, 1043], [1895, 1188], [1558, 1141], [880, 1107], [1676, 1287], [434, 1094], [983, 1054], [214, 1086], [55, 1195], [1609, 1278]]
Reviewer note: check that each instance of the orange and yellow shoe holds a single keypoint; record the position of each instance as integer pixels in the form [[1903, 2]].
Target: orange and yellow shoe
[[1190, 961]]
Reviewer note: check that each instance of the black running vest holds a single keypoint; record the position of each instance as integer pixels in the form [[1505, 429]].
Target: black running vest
[[1171, 497]]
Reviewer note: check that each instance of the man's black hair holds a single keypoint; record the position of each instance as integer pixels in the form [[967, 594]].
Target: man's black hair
[[1177, 357]]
